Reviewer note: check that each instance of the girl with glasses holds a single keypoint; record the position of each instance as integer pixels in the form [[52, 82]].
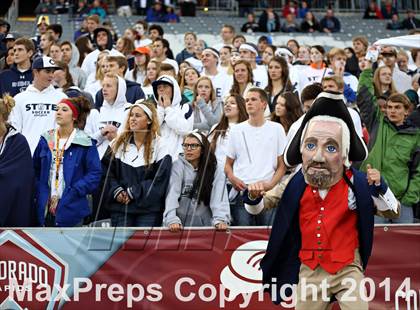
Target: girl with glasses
[[197, 193]]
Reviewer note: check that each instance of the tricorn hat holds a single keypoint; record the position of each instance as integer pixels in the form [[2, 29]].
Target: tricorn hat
[[329, 104]]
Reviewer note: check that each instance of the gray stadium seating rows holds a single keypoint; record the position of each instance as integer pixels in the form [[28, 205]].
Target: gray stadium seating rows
[[351, 26]]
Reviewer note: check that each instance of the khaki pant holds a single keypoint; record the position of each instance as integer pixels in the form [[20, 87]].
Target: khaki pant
[[338, 284]]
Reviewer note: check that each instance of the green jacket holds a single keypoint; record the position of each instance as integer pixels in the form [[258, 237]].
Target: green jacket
[[394, 151]]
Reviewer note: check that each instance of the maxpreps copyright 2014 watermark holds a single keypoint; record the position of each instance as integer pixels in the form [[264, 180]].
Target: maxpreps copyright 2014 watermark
[[187, 290]]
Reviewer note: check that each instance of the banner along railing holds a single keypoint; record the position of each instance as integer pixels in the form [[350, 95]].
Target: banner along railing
[[199, 268]]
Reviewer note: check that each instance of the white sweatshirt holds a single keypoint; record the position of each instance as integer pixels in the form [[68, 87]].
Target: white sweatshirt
[[222, 83], [34, 112], [113, 114], [175, 121], [260, 76], [89, 63], [308, 75]]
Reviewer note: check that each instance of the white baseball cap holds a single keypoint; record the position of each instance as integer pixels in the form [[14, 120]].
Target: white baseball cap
[[44, 62]]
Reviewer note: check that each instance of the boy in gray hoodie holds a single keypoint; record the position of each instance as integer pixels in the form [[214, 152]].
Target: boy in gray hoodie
[[71, 57]]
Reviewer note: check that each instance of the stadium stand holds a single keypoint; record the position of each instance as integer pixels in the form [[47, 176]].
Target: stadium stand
[[192, 93], [208, 27]]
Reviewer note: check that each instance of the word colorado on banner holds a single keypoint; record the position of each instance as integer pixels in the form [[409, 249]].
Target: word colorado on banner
[[196, 269]]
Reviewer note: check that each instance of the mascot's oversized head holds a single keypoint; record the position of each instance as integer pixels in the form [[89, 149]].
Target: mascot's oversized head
[[326, 142]]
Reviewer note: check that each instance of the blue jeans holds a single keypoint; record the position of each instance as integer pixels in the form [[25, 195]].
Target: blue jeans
[[121, 219], [241, 217], [406, 217]]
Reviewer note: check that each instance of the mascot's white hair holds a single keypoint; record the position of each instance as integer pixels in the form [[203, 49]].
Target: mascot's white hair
[[345, 134]]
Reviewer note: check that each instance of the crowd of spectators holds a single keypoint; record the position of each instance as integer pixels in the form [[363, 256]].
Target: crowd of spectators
[[125, 129], [81, 8], [155, 11], [293, 17], [302, 19], [294, 21]]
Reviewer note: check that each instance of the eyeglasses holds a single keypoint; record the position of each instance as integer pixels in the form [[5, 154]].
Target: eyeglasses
[[192, 146]]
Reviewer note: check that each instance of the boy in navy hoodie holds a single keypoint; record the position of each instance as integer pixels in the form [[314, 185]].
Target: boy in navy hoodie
[[19, 76]]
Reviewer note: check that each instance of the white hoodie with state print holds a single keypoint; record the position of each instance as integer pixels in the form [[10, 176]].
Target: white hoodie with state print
[[34, 112]]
